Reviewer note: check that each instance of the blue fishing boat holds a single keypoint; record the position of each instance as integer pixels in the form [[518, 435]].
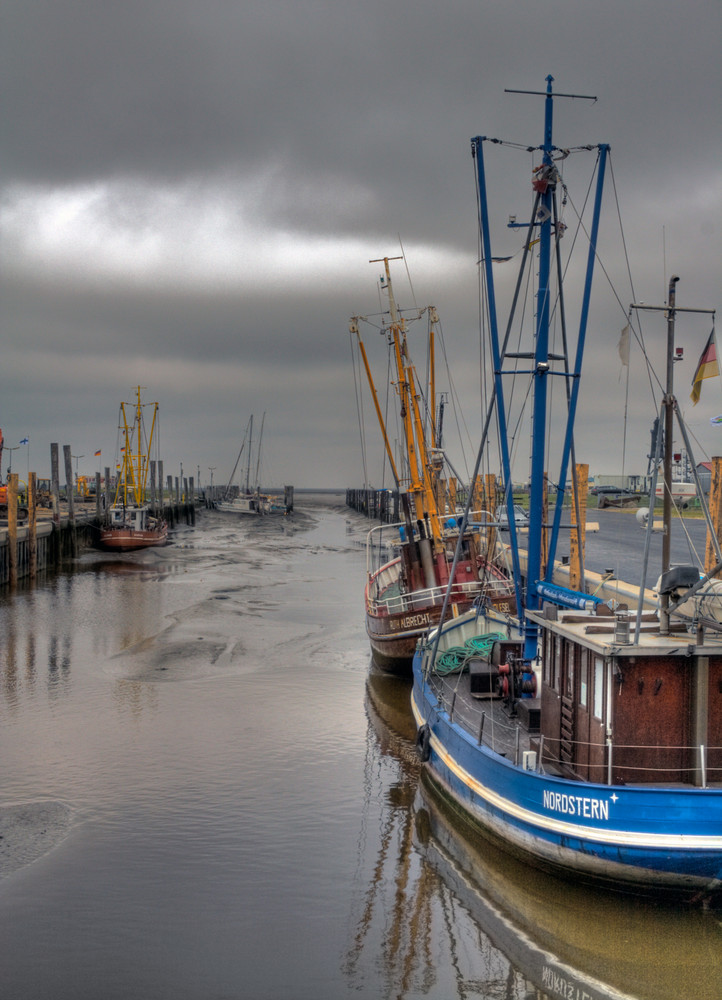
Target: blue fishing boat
[[585, 734]]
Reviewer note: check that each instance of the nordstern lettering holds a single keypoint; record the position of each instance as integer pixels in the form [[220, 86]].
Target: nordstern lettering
[[576, 805], [562, 987]]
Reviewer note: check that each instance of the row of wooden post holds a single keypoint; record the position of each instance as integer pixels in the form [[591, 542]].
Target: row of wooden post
[[69, 484], [183, 490], [485, 499], [13, 528]]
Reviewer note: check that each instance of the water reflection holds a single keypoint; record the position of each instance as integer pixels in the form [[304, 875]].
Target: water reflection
[[106, 606], [444, 902]]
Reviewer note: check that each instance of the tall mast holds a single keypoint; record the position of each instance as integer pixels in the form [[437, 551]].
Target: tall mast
[[250, 447], [354, 328], [258, 452], [138, 477], [544, 183], [541, 362], [420, 486], [669, 404]]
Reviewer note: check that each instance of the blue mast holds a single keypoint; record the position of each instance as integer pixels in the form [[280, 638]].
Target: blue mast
[[576, 373], [544, 183], [477, 151], [541, 371]]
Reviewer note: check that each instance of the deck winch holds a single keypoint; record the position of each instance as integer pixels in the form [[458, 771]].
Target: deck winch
[[515, 680]]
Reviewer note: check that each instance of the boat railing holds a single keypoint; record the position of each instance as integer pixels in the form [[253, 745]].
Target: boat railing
[[697, 761], [504, 735], [383, 540], [398, 602]]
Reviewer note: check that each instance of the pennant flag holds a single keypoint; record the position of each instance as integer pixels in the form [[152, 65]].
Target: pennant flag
[[623, 346], [707, 367], [97, 453], [715, 420], [25, 441]]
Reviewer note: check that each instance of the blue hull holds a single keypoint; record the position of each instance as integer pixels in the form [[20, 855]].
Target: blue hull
[[632, 837]]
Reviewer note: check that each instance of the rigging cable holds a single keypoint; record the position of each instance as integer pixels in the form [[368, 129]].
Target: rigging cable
[[359, 405]]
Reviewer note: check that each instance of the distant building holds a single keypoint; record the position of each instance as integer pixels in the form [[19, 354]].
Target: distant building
[[704, 471]]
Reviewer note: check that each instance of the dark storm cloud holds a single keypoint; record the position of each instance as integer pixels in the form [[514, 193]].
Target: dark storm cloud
[[192, 192], [367, 91]]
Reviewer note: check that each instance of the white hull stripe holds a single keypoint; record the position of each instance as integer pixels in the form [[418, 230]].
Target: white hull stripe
[[622, 837]]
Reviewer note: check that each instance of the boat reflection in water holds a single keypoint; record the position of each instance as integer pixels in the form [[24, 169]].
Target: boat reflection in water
[[449, 914]]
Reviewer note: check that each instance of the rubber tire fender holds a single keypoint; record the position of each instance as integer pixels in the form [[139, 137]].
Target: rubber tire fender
[[423, 742]]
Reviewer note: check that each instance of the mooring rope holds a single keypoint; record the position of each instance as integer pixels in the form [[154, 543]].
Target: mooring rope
[[455, 658]]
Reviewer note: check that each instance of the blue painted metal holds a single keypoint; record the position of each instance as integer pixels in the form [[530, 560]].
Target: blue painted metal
[[640, 836], [541, 359], [581, 341], [477, 151], [565, 597]]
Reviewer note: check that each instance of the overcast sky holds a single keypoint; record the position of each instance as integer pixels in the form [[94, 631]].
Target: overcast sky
[[192, 192]]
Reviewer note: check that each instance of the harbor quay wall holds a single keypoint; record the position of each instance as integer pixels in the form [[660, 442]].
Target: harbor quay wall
[[58, 541]]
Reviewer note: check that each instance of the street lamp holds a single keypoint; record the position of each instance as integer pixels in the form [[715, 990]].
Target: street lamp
[[11, 450]]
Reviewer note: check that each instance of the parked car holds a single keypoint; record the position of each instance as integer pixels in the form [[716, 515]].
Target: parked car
[[521, 517]]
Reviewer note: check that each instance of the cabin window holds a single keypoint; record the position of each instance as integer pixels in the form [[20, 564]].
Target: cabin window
[[584, 682], [598, 707], [569, 671], [556, 662]]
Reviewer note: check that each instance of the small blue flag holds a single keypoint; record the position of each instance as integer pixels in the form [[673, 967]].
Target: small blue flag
[[25, 441]]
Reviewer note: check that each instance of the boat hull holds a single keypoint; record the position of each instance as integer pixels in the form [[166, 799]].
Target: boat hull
[[129, 539], [393, 637], [394, 626], [636, 838], [256, 506]]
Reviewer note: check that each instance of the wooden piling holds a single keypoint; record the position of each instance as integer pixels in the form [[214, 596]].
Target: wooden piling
[[190, 502], [55, 485], [32, 527], [69, 491], [489, 504], [715, 513], [13, 528], [69, 495], [578, 533]]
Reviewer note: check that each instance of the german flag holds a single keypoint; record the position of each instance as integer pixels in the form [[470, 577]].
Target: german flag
[[707, 367]]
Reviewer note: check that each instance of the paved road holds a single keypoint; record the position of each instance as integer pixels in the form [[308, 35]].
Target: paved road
[[619, 545]]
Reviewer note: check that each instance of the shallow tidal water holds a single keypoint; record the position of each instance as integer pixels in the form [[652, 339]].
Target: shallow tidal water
[[206, 792]]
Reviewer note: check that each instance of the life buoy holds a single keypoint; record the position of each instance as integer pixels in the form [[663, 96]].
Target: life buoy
[[423, 742]]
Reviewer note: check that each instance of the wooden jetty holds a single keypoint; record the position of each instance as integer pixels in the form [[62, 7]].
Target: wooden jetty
[[377, 505], [55, 535]]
